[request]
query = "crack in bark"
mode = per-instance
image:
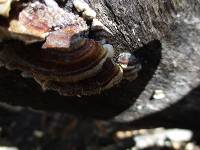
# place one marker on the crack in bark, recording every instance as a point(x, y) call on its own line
point(116, 21)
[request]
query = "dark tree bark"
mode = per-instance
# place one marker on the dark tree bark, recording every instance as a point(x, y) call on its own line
point(165, 36)
point(135, 23)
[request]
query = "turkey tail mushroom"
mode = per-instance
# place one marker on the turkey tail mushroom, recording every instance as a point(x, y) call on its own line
point(57, 51)
point(68, 63)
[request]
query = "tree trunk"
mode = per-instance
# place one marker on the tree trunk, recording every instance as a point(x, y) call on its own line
point(135, 23)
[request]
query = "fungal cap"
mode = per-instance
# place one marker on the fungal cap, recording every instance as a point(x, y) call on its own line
point(130, 65)
point(64, 65)
point(84, 71)
point(110, 75)
point(64, 38)
point(38, 21)
point(17, 31)
point(89, 14)
point(80, 5)
point(98, 25)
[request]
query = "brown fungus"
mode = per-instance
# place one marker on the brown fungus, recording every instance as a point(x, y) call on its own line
point(84, 70)
point(55, 50)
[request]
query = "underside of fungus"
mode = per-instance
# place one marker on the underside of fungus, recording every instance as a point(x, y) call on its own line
point(52, 46)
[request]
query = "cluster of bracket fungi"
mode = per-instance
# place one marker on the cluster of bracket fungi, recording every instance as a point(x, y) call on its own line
point(56, 49)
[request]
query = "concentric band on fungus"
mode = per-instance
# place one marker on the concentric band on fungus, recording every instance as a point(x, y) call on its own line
point(71, 66)
point(109, 76)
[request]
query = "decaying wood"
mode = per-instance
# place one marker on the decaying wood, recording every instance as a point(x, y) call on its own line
point(165, 35)
point(135, 23)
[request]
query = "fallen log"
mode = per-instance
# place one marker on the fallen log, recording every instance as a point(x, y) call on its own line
point(164, 35)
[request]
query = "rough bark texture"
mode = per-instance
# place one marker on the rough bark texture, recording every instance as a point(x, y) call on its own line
point(171, 64)
point(135, 23)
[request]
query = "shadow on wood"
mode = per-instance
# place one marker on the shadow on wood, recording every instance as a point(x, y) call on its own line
point(183, 114)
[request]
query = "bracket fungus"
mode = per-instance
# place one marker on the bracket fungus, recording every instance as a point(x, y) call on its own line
point(58, 53)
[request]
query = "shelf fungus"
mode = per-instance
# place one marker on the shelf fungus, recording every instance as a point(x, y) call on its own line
point(54, 48)
point(36, 21)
